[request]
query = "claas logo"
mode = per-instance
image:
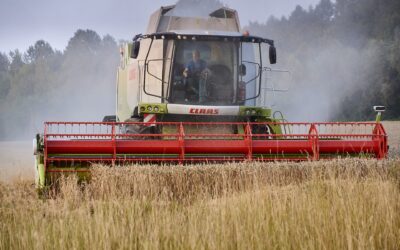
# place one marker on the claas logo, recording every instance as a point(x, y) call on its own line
point(204, 111)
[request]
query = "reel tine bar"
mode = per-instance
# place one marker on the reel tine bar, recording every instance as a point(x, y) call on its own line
point(196, 142)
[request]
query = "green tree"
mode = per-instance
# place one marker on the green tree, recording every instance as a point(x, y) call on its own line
point(40, 51)
point(16, 62)
point(4, 63)
point(84, 42)
point(4, 76)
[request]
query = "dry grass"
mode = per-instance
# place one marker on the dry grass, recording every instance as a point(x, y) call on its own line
point(349, 203)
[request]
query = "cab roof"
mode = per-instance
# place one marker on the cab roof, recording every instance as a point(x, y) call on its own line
point(169, 18)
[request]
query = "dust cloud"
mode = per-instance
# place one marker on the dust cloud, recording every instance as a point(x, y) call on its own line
point(78, 84)
point(17, 162)
point(322, 77)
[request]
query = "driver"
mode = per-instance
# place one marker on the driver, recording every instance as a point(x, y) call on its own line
point(195, 76)
point(195, 66)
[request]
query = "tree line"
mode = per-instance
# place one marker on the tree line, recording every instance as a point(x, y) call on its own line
point(344, 57)
point(46, 84)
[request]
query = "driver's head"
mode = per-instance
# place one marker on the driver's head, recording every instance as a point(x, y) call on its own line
point(196, 55)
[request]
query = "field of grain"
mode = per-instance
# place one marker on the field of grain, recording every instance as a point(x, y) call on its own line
point(345, 203)
point(393, 131)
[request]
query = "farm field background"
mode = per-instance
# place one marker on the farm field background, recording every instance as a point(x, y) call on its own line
point(346, 203)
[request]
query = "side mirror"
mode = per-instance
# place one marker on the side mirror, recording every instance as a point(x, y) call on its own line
point(272, 54)
point(135, 49)
point(110, 118)
point(242, 70)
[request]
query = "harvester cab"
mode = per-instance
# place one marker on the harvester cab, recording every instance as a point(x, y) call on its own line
point(192, 89)
point(193, 69)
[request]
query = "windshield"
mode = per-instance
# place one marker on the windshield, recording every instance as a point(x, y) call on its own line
point(205, 72)
point(217, 72)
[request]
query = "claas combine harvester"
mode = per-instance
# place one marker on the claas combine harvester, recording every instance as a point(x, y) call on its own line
point(194, 90)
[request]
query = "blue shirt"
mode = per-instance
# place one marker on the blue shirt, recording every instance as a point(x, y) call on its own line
point(196, 67)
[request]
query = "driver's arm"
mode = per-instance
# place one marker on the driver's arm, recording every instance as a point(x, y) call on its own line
point(186, 72)
point(187, 69)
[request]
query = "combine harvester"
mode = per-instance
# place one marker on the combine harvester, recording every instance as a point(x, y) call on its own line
point(193, 90)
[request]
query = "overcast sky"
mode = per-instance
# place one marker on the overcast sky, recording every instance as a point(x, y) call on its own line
point(23, 22)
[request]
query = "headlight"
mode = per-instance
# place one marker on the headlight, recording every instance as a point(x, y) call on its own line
point(247, 112)
point(156, 109)
point(150, 108)
point(253, 112)
point(142, 109)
